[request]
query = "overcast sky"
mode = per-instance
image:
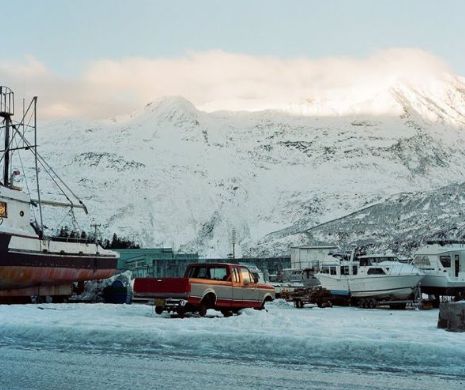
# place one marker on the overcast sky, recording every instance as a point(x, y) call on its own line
point(50, 45)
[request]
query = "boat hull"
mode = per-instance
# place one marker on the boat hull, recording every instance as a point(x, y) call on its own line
point(383, 287)
point(15, 277)
point(23, 269)
point(442, 285)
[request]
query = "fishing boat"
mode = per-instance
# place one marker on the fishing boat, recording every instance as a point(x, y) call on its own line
point(370, 278)
point(34, 264)
point(443, 263)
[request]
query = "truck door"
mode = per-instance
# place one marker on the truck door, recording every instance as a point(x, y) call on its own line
point(221, 280)
point(237, 292)
point(248, 288)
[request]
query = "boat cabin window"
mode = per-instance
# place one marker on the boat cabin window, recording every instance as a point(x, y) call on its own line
point(354, 270)
point(333, 270)
point(345, 270)
point(421, 261)
point(308, 273)
point(3, 210)
point(375, 271)
point(445, 261)
point(325, 270)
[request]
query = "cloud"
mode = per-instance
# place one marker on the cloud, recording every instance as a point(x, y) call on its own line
point(216, 80)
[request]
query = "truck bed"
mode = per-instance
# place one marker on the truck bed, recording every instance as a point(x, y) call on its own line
point(161, 288)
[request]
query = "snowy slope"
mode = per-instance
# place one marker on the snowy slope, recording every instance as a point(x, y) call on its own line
point(399, 224)
point(175, 176)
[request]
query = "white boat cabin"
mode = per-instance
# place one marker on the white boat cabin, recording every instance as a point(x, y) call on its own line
point(442, 257)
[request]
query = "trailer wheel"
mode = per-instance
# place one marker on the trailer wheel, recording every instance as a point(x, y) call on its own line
point(159, 309)
point(372, 304)
point(398, 306)
point(226, 313)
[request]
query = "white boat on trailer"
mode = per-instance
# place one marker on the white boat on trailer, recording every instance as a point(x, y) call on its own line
point(367, 279)
point(443, 263)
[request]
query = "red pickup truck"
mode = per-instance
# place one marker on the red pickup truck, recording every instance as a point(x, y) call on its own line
point(220, 286)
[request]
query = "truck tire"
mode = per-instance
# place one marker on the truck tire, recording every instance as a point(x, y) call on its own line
point(202, 310)
point(267, 300)
point(159, 309)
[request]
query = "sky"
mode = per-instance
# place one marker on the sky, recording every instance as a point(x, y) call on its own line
point(56, 48)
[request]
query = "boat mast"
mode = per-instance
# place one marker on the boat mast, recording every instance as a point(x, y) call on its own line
point(12, 131)
point(7, 107)
point(37, 165)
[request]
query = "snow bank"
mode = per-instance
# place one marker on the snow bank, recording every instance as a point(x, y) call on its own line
point(400, 341)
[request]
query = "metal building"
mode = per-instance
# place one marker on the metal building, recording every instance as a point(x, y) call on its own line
point(303, 257)
point(155, 262)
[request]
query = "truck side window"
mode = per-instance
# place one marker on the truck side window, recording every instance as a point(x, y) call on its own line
point(246, 276)
point(218, 273)
point(235, 275)
point(253, 277)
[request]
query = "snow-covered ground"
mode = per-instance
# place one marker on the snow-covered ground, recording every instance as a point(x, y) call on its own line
point(116, 346)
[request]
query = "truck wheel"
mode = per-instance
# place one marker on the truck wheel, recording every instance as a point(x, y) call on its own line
point(158, 309)
point(181, 312)
point(202, 310)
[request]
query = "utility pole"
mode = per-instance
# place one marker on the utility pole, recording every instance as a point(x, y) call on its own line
point(233, 240)
point(96, 226)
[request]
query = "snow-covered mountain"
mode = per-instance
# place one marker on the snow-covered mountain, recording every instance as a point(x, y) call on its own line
point(175, 176)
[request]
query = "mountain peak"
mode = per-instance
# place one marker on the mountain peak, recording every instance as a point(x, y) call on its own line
point(173, 109)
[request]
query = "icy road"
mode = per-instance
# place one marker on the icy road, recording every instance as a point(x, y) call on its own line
point(74, 346)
